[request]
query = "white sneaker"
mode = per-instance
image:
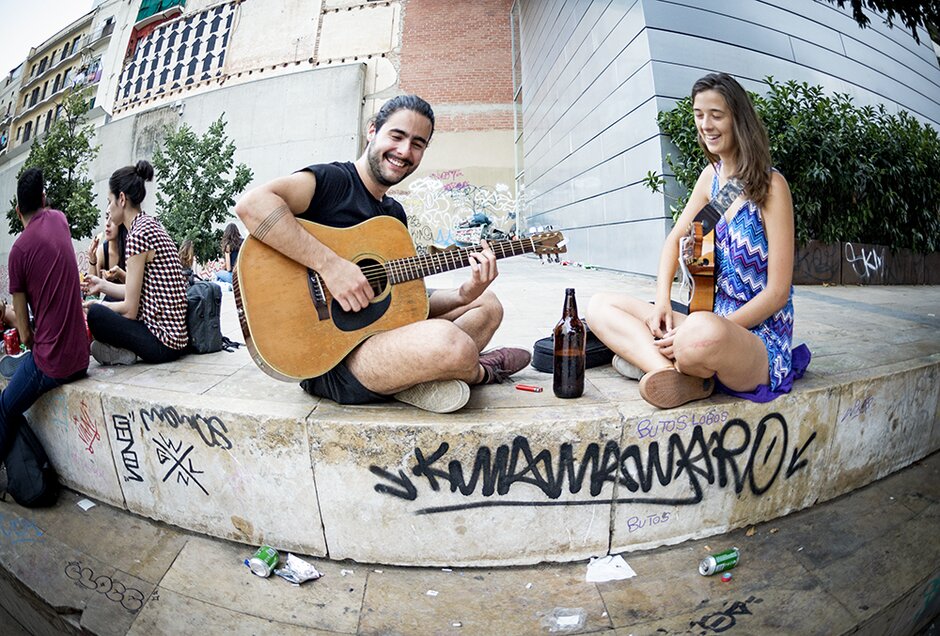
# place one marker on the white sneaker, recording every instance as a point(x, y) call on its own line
point(438, 396)
point(627, 369)
point(108, 354)
point(10, 363)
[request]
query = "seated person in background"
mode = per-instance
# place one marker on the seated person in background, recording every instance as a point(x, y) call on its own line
point(431, 363)
point(188, 262)
point(44, 277)
point(745, 342)
point(106, 259)
point(231, 243)
point(149, 320)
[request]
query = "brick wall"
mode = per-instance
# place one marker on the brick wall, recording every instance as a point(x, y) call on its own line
point(458, 56)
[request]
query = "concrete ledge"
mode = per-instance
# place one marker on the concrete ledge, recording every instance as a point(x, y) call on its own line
point(212, 445)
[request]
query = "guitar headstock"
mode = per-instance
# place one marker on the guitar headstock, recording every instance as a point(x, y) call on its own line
point(549, 242)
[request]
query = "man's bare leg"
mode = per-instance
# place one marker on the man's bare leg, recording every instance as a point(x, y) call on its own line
point(479, 319)
point(435, 349)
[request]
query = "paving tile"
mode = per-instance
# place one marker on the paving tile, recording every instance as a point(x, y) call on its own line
point(162, 617)
point(188, 382)
point(515, 601)
point(889, 564)
point(213, 571)
point(128, 542)
point(248, 383)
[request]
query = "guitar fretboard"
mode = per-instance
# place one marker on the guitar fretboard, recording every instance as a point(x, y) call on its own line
point(405, 269)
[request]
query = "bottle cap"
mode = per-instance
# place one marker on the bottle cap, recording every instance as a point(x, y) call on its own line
point(726, 577)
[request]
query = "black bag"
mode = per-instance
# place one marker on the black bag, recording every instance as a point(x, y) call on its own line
point(31, 479)
point(203, 311)
point(596, 352)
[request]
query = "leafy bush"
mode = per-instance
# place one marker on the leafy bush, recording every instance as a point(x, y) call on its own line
point(197, 185)
point(857, 174)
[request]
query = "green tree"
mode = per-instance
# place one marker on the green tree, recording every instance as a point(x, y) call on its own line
point(913, 13)
point(63, 154)
point(196, 191)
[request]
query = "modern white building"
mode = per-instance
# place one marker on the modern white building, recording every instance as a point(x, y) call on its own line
point(592, 76)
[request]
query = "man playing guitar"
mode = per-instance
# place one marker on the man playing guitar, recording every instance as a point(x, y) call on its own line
point(430, 363)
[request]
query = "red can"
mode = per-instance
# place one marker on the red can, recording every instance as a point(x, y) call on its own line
point(11, 341)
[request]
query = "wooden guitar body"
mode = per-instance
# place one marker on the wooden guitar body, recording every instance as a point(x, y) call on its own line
point(293, 327)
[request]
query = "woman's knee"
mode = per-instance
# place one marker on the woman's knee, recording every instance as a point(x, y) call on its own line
point(698, 341)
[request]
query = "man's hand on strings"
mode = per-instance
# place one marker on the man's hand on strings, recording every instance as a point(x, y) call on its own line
point(347, 284)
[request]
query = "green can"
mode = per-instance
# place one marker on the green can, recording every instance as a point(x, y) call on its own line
point(263, 561)
point(714, 563)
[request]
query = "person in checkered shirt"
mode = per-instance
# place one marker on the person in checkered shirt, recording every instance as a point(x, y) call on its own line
point(149, 319)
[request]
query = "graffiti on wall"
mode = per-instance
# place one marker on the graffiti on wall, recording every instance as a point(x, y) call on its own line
point(748, 458)
point(175, 457)
point(437, 204)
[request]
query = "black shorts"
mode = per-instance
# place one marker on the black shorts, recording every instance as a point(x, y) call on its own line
point(341, 386)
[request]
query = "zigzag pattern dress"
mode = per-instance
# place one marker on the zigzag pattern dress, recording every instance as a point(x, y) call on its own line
point(741, 266)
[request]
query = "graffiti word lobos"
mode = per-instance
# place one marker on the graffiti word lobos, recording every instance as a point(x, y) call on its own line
point(745, 457)
point(130, 598)
point(211, 429)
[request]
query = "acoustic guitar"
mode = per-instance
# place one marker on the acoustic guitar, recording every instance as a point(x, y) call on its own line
point(295, 329)
point(697, 249)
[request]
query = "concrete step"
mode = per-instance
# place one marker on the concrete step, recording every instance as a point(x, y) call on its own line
point(867, 562)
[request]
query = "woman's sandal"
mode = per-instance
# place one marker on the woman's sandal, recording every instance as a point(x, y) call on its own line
point(667, 388)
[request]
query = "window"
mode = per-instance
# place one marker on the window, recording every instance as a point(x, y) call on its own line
point(19, 130)
point(27, 131)
point(55, 84)
point(65, 51)
point(48, 121)
point(44, 88)
point(75, 43)
point(42, 65)
point(34, 97)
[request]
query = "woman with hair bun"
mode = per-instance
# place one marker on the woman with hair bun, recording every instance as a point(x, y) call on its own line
point(149, 319)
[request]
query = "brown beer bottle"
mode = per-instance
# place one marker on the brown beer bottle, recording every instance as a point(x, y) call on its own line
point(569, 339)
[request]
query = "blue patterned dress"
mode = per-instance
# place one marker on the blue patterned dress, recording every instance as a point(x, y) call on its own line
point(741, 273)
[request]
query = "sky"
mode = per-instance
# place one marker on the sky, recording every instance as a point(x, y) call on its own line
point(24, 25)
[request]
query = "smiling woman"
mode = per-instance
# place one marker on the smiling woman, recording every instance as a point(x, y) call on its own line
point(743, 344)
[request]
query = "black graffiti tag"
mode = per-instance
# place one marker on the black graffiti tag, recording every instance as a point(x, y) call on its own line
point(172, 453)
point(211, 429)
point(735, 455)
point(130, 598)
point(725, 619)
point(123, 433)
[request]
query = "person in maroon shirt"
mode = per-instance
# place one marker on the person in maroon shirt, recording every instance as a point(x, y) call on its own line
point(43, 278)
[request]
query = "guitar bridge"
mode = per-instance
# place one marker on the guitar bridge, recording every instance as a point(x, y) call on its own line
point(318, 294)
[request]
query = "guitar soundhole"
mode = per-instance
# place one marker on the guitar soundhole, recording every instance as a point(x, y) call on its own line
point(375, 274)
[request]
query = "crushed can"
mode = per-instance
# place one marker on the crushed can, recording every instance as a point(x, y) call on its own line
point(11, 341)
point(263, 561)
point(714, 563)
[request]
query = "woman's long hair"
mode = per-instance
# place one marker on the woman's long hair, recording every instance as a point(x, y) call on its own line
point(752, 146)
point(231, 238)
point(187, 254)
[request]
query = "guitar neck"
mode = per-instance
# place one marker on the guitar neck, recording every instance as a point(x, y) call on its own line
point(403, 270)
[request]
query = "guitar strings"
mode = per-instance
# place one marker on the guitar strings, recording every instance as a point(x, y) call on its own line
point(381, 271)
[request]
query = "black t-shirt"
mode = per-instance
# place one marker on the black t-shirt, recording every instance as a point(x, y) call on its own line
point(342, 200)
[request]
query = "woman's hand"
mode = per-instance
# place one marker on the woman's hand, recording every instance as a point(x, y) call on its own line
point(665, 344)
point(116, 275)
point(92, 285)
point(93, 249)
point(659, 320)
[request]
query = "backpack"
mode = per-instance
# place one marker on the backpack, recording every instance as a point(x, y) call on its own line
point(31, 479)
point(203, 309)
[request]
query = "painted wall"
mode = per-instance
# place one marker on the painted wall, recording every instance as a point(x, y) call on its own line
point(594, 76)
